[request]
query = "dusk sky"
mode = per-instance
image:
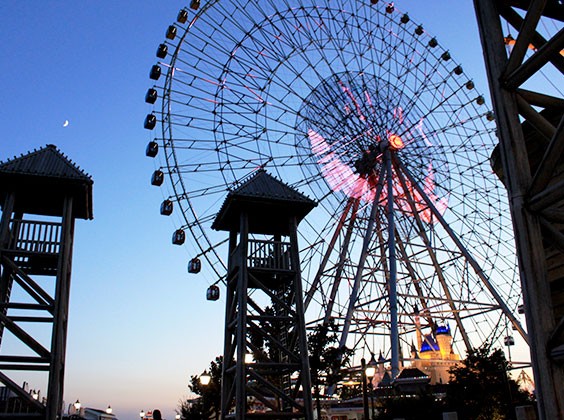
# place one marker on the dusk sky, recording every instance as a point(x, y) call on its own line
point(139, 325)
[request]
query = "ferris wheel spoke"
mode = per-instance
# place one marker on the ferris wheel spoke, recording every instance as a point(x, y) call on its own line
point(465, 252)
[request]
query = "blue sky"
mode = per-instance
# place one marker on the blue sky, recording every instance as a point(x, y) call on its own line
point(139, 325)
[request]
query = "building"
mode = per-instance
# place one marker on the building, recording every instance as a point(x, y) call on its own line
point(435, 356)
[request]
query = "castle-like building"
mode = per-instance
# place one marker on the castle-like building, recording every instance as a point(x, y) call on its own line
point(433, 356)
point(436, 355)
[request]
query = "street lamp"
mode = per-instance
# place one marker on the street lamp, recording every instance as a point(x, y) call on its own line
point(370, 371)
point(205, 378)
point(364, 386)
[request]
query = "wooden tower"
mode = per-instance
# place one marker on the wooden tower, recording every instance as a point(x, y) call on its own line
point(530, 161)
point(41, 193)
point(265, 354)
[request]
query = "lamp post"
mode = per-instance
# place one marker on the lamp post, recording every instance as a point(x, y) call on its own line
point(370, 371)
point(364, 390)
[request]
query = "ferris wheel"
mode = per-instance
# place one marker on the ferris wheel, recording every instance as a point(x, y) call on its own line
point(358, 107)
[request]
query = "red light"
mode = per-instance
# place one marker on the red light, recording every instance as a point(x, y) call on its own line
point(396, 143)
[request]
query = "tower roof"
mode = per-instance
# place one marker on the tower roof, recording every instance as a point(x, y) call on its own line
point(42, 179)
point(268, 202)
point(429, 344)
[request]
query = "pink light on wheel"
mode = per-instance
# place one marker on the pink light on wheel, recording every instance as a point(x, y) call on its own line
point(341, 177)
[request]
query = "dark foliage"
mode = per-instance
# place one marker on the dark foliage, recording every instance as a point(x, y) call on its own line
point(424, 406)
point(481, 389)
point(326, 359)
point(207, 403)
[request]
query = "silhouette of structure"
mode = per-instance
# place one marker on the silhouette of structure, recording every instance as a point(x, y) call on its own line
point(264, 308)
point(530, 124)
point(35, 268)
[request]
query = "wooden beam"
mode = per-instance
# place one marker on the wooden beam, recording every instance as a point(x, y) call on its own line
point(23, 359)
point(550, 160)
point(27, 339)
point(45, 319)
point(529, 243)
point(30, 306)
point(28, 284)
point(19, 391)
point(536, 62)
point(554, 234)
point(541, 99)
point(538, 40)
point(553, 215)
point(542, 125)
point(546, 198)
point(525, 35)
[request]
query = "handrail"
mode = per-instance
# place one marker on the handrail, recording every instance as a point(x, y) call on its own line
point(35, 236)
point(273, 255)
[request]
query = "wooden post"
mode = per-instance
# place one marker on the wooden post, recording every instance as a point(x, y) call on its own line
point(532, 260)
point(59, 334)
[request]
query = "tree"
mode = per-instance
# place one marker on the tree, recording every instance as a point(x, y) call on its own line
point(207, 404)
point(422, 406)
point(325, 358)
point(481, 389)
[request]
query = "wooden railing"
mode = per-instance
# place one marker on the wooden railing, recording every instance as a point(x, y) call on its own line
point(273, 255)
point(36, 237)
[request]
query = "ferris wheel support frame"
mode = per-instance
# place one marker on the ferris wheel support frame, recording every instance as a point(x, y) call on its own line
point(431, 252)
point(473, 263)
point(392, 280)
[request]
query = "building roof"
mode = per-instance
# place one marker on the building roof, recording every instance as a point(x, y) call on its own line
point(411, 373)
point(42, 179)
point(386, 380)
point(443, 330)
point(268, 202)
point(429, 344)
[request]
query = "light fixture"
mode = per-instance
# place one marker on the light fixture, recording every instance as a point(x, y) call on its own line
point(77, 405)
point(177, 417)
point(205, 378)
point(370, 370)
point(109, 409)
point(142, 414)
